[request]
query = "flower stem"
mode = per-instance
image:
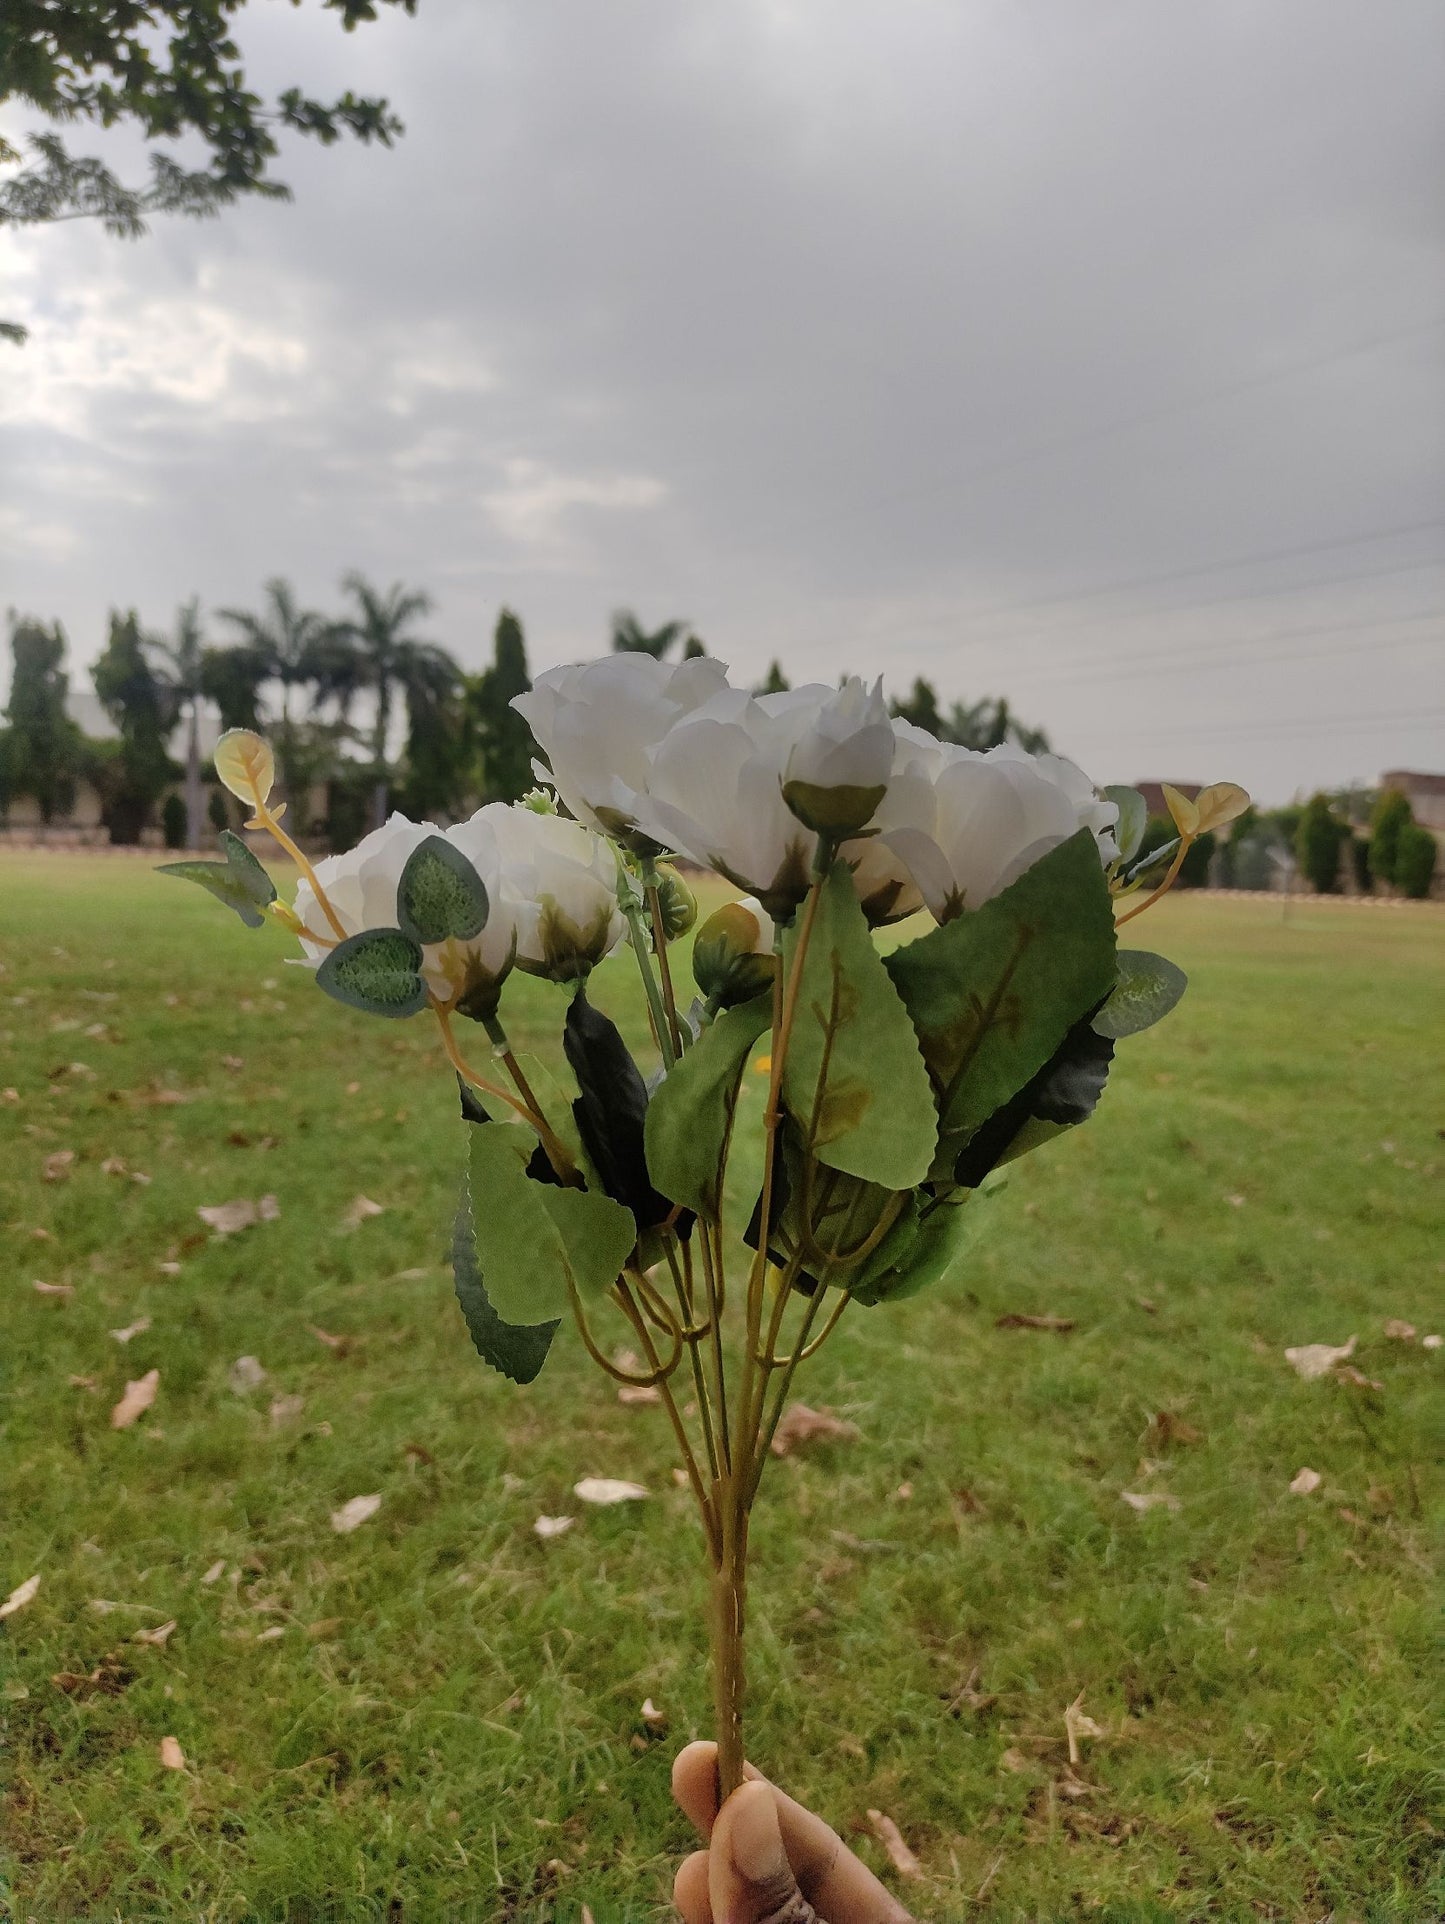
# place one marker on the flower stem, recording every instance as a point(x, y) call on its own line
point(265, 819)
point(1163, 887)
point(729, 1614)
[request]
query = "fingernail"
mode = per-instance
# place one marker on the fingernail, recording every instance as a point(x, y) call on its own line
point(757, 1843)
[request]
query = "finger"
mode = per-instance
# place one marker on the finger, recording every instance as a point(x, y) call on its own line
point(840, 1885)
point(689, 1890)
point(694, 1785)
point(750, 1880)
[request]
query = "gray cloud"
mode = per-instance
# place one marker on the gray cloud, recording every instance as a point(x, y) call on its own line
point(1092, 354)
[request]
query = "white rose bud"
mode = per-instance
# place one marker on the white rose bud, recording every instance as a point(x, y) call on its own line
point(837, 772)
point(732, 954)
point(597, 723)
point(561, 880)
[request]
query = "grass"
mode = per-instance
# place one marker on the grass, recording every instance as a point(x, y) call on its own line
point(449, 1723)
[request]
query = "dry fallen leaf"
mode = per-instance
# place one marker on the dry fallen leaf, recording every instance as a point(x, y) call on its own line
point(639, 1393)
point(157, 1636)
point(56, 1167)
point(245, 1374)
point(271, 1635)
point(1077, 1725)
point(547, 1527)
point(608, 1489)
point(91, 1383)
point(1431, 1342)
point(1314, 1359)
point(137, 1328)
point(285, 1409)
point(654, 1718)
point(1149, 1500)
point(1347, 1373)
point(53, 1289)
point(353, 1514)
point(1398, 1331)
point(340, 1345)
point(228, 1218)
point(216, 1571)
point(801, 1426)
point(889, 1836)
point(20, 1596)
point(172, 1756)
point(113, 1166)
point(1013, 1760)
point(1305, 1482)
point(137, 1400)
point(358, 1209)
point(232, 1063)
point(1017, 1320)
point(1169, 1428)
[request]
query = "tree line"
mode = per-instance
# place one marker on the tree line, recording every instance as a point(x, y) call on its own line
point(360, 704)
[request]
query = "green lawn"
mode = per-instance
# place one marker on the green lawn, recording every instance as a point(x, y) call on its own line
point(448, 1723)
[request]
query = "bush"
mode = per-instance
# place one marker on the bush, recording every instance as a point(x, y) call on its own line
point(1360, 862)
point(1415, 857)
point(1194, 869)
point(1318, 843)
point(216, 810)
point(1391, 816)
point(173, 821)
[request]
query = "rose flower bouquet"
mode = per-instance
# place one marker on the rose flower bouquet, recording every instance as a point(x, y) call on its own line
point(898, 1078)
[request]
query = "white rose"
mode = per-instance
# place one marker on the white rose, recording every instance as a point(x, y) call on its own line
point(880, 875)
point(597, 722)
point(714, 793)
point(559, 881)
point(838, 768)
point(362, 885)
point(994, 816)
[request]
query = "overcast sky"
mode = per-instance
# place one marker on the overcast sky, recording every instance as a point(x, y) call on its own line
point(1091, 353)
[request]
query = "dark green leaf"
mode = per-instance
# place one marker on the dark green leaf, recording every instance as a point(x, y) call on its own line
point(240, 881)
point(691, 1113)
point(1133, 819)
point(993, 993)
point(854, 1081)
point(926, 1256)
point(515, 1350)
point(534, 1238)
point(440, 894)
point(378, 971)
point(1148, 988)
point(611, 1110)
point(1064, 1093)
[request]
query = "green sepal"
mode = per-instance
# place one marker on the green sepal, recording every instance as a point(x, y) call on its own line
point(993, 992)
point(440, 894)
point(1133, 819)
point(378, 971)
point(690, 1115)
point(533, 1239)
point(240, 881)
point(854, 1081)
point(1149, 986)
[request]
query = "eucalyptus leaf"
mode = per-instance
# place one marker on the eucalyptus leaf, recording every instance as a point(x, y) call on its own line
point(690, 1116)
point(440, 894)
point(1133, 819)
point(853, 1080)
point(611, 1110)
point(378, 971)
point(535, 1238)
point(1149, 986)
point(993, 993)
point(240, 881)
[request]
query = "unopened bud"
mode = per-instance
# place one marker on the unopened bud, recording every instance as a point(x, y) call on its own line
point(732, 958)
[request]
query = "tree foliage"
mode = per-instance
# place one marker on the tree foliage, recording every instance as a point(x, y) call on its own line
point(1415, 858)
point(41, 751)
point(504, 740)
point(132, 773)
point(1390, 818)
point(1318, 842)
point(979, 725)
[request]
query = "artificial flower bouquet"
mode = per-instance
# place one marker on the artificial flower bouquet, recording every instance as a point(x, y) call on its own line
point(899, 1077)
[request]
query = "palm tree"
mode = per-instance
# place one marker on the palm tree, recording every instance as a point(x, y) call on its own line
point(629, 637)
point(287, 643)
point(185, 676)
point(378, 653)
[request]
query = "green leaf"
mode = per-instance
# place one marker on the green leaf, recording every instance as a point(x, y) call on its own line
point(1133, 819)
point(1148, 988)
point(854, 1081)
point(240, 881)
point(534, 1238)
point(1064, 1093)
point(440, 894)
point(993, 993)
point(691, 1112)
point(515, 1350)
point(924, 1256)
point(378, 971)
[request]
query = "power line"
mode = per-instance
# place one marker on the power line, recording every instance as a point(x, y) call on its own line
point(1302, 724)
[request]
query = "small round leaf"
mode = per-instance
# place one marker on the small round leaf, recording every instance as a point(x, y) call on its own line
point(440, 894)
point(378, 971)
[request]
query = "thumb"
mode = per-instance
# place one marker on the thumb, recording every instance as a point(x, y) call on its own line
point(750, 1878)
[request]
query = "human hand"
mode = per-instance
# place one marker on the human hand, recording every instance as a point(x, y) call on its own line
point(768, 1861)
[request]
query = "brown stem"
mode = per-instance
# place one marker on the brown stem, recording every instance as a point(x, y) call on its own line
point(1164, 887)
point(729, 1613)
